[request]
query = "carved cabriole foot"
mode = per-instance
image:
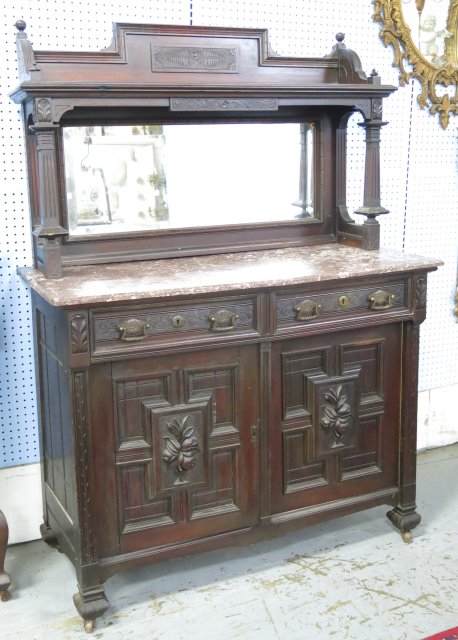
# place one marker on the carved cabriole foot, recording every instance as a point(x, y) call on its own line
point(404, 521)
point(91, 604)
point(5, 581)
point(49, 537)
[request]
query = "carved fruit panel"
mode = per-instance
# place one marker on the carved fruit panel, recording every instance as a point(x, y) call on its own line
point(335, 416)
point(180, 446)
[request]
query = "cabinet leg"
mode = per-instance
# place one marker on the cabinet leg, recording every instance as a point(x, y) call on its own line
point(405, 520)
point(91, 604)
point(49, 537)
point(4, 577)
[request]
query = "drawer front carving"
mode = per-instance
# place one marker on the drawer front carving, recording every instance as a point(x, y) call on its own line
point(121, 329)
point(300, 308)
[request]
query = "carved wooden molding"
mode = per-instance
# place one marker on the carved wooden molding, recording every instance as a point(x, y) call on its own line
point(223, 104)
point(377, 110)
point(420, 292)
point(83, 475)
point(195, 59)
point(408, 439)
point(79, 333)
point(47, 112)
point(42, 111)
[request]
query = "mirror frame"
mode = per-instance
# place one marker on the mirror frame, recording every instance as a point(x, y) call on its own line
point(395, 32)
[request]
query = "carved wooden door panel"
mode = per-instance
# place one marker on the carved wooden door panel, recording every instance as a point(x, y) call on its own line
point(176, 435)
point(335, 421)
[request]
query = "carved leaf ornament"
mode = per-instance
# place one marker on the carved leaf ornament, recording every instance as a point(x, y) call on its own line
point(180, 447)
point(336, 414)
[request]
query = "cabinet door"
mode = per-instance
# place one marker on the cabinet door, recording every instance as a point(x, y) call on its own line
point(173, 450)
point(335, 422)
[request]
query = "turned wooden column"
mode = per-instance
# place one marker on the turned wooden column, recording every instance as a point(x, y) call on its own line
point(4, 577)
point(306, 177)
point(371, 206)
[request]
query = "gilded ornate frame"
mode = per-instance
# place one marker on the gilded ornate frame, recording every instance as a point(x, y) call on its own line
point(395, 32)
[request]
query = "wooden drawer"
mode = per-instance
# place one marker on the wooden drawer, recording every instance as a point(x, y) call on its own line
point(310, 307)
point(132, 329)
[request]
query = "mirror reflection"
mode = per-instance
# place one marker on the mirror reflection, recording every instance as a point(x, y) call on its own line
point(129, 178)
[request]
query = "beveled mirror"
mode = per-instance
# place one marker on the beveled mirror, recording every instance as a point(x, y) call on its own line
point(125, 178)
point(423, 34)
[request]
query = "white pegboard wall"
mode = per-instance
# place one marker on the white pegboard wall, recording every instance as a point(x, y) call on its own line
point(418, 165)
point(299, 28)
point(51, 24)
point(18, 434)
point(432, 230)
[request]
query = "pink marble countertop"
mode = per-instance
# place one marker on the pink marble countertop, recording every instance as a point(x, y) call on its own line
point(147, 280)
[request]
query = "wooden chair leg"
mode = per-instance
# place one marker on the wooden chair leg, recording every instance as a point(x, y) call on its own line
point(4, 577)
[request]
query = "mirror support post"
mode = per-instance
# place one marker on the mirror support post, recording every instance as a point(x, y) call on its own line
point(371, 206)
point(49, 232)
point(305, 199)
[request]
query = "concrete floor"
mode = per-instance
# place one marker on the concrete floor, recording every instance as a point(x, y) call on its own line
point(349, 579)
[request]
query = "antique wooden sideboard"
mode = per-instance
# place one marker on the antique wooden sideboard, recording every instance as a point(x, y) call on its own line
point(223, 353)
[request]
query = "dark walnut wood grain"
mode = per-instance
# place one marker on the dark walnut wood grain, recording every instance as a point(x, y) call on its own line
point(220, 412)
point(5, 580)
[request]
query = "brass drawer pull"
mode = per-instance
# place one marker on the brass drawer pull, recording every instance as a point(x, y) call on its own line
point(307, 310)
point(223, 320)
point(133, 330)
point(381, 300)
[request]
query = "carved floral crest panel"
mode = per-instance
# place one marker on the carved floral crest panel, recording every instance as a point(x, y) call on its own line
point(195, 59)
